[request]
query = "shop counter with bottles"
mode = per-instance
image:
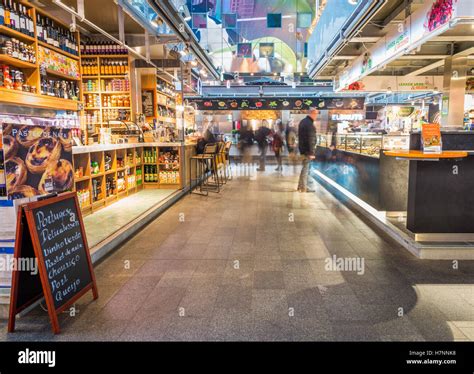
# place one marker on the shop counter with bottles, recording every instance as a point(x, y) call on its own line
point(104, 174)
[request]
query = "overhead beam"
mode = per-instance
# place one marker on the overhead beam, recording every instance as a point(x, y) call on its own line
point(403, 5)
point(422, 57)
point(440, 38)
point(365, 39)
point(345, 57)
point(425, 69)
point(404, 57)
point(452, 38)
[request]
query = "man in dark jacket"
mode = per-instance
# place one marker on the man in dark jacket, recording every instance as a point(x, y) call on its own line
point(307, 144)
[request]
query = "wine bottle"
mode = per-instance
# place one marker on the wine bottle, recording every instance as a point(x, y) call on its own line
point(29, 19)
point(8, 21)
point(2, 14)
point(17, 17)
point(12, 16)
point(22, 20)
point(44, 26)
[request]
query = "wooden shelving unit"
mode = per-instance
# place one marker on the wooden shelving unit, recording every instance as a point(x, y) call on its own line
point(32, 71)
point(162, 101)
point(58, 50)
point(166, 177)
point(135, 161)
point(16, 34)
point(5, 59)
point(133, 166)
point(101, 86)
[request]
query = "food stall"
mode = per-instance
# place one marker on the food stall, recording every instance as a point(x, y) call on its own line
point(70, 121)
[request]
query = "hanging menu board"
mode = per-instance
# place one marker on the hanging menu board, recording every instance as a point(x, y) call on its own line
point(278, 103)
point(52, 232)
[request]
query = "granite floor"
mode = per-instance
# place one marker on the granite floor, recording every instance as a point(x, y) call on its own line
point(129, 209)
point(250, 263)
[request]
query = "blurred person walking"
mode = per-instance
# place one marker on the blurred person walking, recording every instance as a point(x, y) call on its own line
point(246, 141)
point(278, 143)
point(262, 136)
point(307, 144)
point(292, 143)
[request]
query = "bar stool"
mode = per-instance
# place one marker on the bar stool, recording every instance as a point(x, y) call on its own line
point(228, 166)
point(205, 162)
point(215, 167)
point(221, 163)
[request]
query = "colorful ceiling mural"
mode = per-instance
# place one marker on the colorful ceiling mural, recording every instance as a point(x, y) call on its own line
point(252, 36)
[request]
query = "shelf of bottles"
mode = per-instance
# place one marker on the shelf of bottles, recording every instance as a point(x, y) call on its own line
point(105, 83)
point(39, 58)
point(165, 103)
point(101, 178)
point(161, 166)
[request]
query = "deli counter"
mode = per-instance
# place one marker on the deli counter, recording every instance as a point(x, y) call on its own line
point(368, 144)
point(356, 162)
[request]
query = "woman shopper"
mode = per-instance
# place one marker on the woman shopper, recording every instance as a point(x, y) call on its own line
point(263, 137)
point(278, 143)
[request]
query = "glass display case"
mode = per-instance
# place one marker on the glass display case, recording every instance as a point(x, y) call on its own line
point(364, 143)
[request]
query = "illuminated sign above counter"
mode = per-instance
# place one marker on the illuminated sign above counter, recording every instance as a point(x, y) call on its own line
point(277, 103)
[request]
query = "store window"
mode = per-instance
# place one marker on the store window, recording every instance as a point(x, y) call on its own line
point(229, 21)
point(274, 20)
point(244, 50)
point(266, 50)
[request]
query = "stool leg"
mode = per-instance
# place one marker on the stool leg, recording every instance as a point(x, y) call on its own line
point(191, 176)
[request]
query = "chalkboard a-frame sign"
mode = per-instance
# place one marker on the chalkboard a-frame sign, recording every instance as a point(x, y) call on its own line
point(52, 232)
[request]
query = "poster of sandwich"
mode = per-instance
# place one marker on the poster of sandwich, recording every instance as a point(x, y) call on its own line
point(431, 138)
point(38, 160)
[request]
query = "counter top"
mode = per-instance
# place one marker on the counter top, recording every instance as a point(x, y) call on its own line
point(111, 147)
point(419, 155)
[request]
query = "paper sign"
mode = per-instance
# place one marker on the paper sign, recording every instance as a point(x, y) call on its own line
point(431, 138)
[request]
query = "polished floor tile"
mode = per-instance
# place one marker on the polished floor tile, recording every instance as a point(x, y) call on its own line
point(258, 261)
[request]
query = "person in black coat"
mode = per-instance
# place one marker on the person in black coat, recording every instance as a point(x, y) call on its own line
point(262, 136)
point(307, 145)
point(246, 141)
